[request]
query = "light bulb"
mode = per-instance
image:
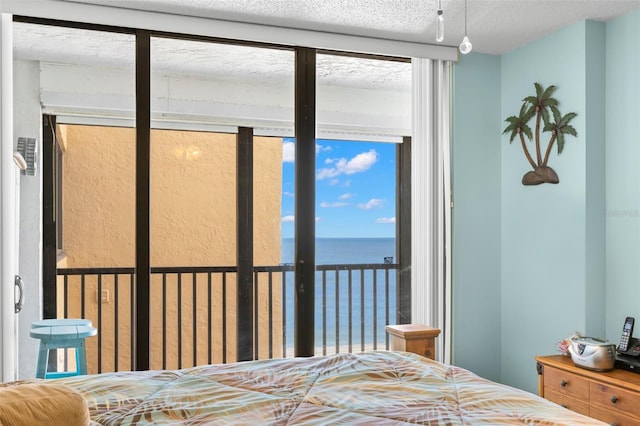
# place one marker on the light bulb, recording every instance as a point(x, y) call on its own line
point(465, 46)
point(440, 27)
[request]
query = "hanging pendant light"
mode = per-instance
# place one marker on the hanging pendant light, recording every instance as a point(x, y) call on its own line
point(440, 24)
point(465, 46)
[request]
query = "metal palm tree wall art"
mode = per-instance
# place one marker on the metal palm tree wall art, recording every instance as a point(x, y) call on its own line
point(544, 108)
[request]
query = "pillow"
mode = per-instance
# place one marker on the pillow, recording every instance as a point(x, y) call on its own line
point(41, 404)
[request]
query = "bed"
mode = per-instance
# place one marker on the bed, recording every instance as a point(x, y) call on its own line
point(377, 387)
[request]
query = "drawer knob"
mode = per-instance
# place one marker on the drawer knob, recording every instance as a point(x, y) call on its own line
point(614, 399)
point(564, 383)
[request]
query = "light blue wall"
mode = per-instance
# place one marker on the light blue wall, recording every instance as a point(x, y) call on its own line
point(551, 240)
point(623, 172)
point(596, 179)
point(544, 228)
point(551, 282)
point(476, 215)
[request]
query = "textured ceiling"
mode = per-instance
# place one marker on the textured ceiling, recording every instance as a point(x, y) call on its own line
point(494, 26)
point(83, 48)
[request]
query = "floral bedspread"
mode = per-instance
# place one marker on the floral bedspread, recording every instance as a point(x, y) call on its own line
point(356, 389)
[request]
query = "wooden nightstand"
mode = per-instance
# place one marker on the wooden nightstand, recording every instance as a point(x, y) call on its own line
point(611, 396)
point(416, 338)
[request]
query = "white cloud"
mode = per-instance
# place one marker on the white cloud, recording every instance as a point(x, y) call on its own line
point(372, 204)
point(320, 148)
point(360, 163)
point(288, 194)
point(386, 220)
point(346, 196)
point(288, 152)
point(332, 205)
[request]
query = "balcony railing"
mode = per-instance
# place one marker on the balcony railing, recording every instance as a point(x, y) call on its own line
point(193, 312)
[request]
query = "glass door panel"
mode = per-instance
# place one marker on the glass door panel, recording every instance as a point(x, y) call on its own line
point(204, 98)
point(192, 236)
point(88, 89)
point(363, 111)
point(288, 243)
point(98, 214)
point(272, 247)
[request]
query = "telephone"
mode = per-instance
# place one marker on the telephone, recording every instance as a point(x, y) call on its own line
point(628, 345)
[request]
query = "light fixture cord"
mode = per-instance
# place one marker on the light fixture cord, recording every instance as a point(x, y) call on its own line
point(465, 17)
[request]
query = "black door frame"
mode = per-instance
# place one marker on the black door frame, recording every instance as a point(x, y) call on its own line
point(49, 217)
point(305, 202)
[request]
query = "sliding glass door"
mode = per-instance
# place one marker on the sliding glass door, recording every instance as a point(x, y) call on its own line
point(214, 165)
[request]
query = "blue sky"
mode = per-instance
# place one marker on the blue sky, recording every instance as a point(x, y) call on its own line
point(355, 189)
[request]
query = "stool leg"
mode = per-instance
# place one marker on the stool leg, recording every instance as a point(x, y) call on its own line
point(77, 351)
point(81, 357)
point(43, 355)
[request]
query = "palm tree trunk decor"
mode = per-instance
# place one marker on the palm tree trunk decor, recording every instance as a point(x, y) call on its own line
point(539, 106)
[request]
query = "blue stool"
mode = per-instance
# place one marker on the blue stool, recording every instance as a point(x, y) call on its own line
point(59, 337)
point(58, 322)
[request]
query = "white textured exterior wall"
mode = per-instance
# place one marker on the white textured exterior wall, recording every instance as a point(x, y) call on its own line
point(8, 260)
point(27, 123)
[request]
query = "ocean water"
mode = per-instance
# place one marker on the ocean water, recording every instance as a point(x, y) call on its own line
point(348, 306)
point(331, 251)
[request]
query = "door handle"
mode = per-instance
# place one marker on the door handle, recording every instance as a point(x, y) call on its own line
point(20, 285)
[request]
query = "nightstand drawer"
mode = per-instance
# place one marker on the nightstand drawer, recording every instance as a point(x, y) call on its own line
point(566, 383)
point(614, 399)
point(613, 417)
point(573, 404)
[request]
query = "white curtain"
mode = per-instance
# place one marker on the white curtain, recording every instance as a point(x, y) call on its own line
point(431, 200)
